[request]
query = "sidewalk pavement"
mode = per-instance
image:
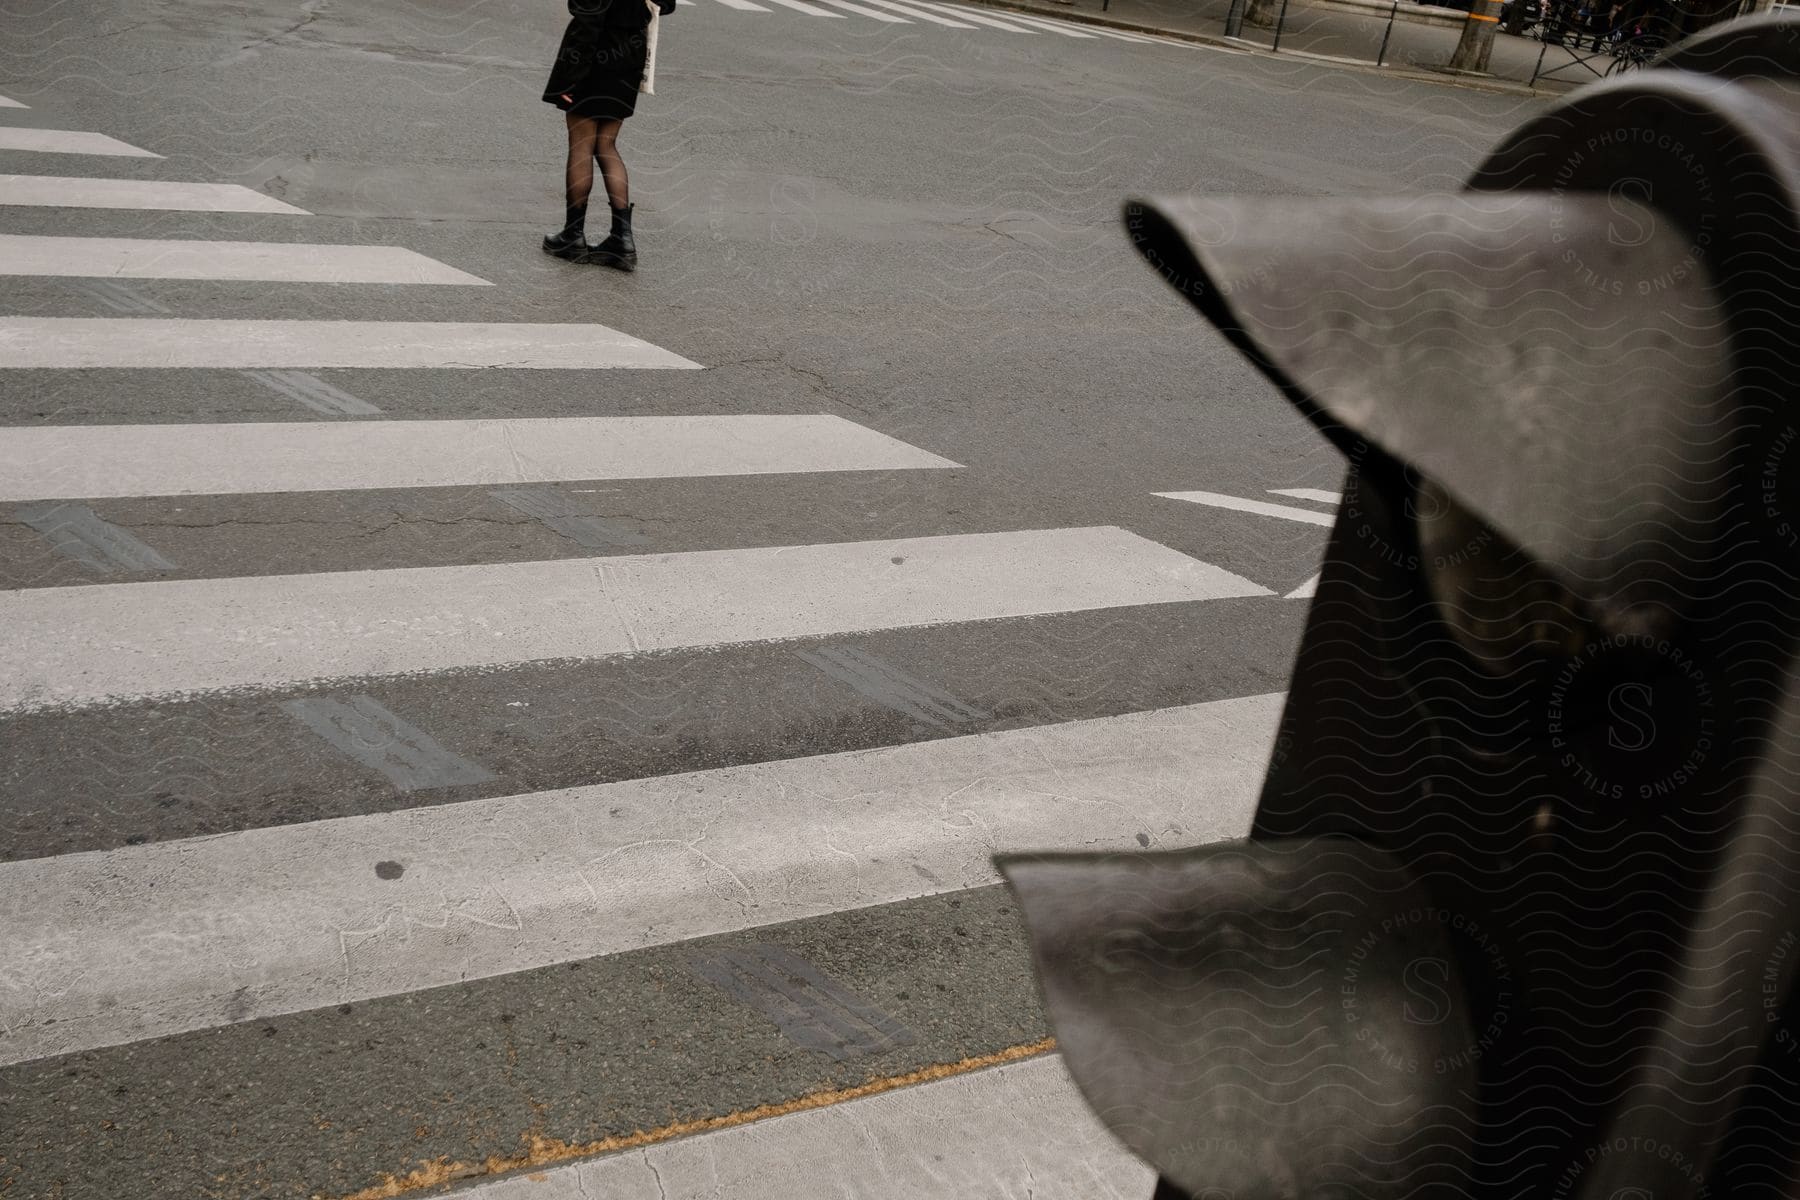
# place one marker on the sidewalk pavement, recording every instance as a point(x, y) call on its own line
point(1350, 34)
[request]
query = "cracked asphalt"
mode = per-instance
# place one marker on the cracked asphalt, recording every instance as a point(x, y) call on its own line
point(911, 227)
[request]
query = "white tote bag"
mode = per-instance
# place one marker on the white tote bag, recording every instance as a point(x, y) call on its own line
point(648, 87)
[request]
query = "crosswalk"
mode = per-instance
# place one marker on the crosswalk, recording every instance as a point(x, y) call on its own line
point(412, 852)
point(517, 882)
point(929, 13)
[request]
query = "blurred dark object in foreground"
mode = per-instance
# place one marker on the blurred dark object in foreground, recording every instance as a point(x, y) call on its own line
point(1518, 914)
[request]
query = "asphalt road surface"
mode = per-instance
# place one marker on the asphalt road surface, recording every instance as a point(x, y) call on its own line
point(473, 719)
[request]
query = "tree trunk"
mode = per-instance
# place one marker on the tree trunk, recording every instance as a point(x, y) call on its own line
point(1477, 44)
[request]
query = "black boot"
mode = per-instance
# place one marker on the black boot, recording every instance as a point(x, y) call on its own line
point(620, 248)
point(571, 243)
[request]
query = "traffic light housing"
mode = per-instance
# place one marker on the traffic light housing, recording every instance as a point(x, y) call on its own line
point(1517, 914)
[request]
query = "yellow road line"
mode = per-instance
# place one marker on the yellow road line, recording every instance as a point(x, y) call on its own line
point(541, 1151)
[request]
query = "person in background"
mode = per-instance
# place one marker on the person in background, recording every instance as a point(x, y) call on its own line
point(600, 67)
point(1582, 21)
point(1600, 22)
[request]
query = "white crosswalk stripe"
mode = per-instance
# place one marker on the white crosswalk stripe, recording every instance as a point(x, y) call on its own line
point(150, 195)
point(811, 10)
point(921, 14)
point(294, 916)
point(1262, 508)
point(70, 342)
point(67, 141)
point(1318, 495)
point(948, 16)
point(92, 461)
point(86, 645)
point(862, 10)
point(964, 14)
point(275, 262)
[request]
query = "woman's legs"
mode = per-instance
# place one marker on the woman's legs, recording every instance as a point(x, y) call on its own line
point(620, 247)
point(578, 178)
point(595, 140)
point(612, 167)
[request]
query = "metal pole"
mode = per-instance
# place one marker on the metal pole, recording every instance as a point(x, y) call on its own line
point(1280, 23)
point(1234, 19)
point(1381, 54)
point(1542, 47)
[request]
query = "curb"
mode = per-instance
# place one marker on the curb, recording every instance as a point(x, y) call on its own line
point(1443, 76)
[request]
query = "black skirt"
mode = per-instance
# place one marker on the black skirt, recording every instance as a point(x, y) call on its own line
point(599, 67)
